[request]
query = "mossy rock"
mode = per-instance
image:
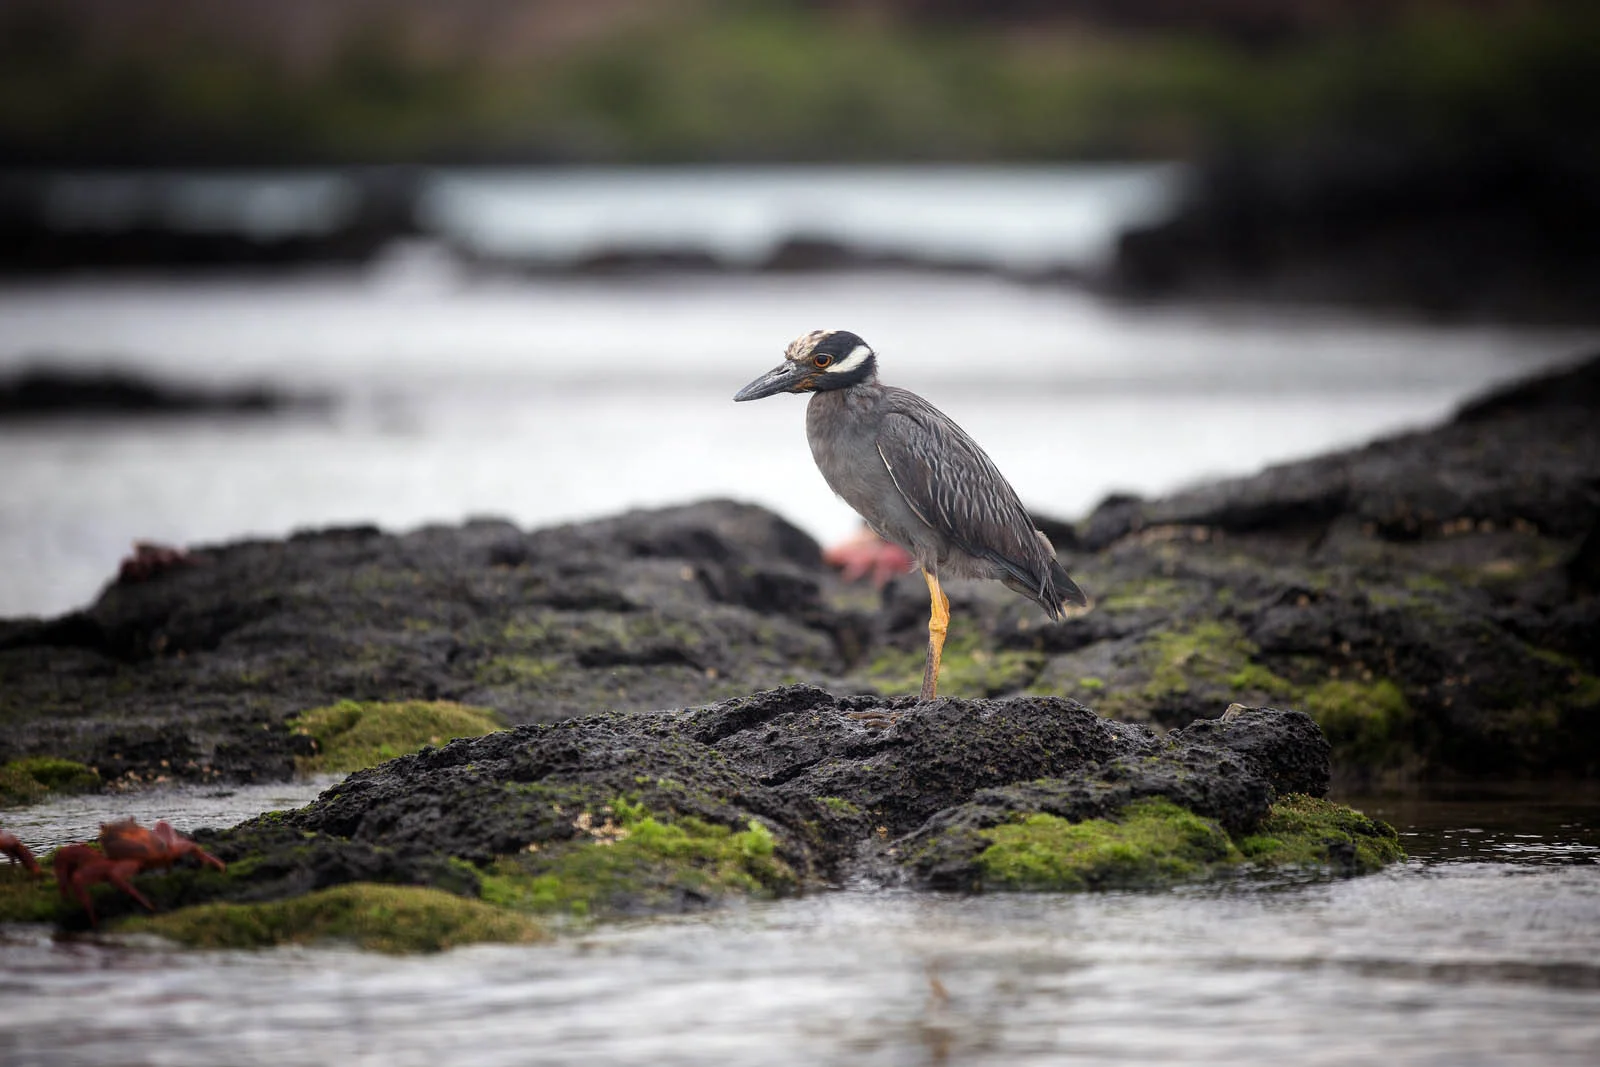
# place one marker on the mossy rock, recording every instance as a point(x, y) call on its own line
point(625, 861)
point(26, 781)
point(353, 735)
point(1302, 831)
point(1211, 660)
point(26, 898)
point(1365, 721)
point(1153, 843)
point(380, 918)
point(840, 807)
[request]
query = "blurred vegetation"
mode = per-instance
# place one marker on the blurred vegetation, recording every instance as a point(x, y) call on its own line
point(707, 80)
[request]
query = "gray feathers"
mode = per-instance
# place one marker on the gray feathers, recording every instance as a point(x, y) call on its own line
point(954, 487)
point(914, 475)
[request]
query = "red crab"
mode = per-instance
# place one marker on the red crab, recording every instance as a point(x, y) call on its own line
point(126, 849)
point(79, 866)
point(157, 848)
point(11, 845)
point(150, 559)
point(868, 555)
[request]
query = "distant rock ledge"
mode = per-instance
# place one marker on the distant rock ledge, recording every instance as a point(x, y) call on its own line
point(43, 392)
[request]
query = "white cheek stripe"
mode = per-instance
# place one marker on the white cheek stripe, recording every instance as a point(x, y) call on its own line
point(857, 356)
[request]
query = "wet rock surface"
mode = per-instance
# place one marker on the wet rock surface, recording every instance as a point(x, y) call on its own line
point(1429, 600)
point(843, 788)
point(1426, 598)
point(193, 672)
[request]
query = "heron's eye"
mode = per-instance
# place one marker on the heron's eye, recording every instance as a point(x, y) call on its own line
point(822, 361)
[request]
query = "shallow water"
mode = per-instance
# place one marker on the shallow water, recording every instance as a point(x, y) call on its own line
point(1483, 948)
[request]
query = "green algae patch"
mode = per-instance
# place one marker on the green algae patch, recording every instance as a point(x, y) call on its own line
point(1302, 831)
point(1365, 722)
point(27, 898)
point(1576, 689)
point(25, 781)
point(1164, 594)
point(519, 670)
point(381, 918)
point(628, 862)
point(1207, 654)
point(1174, 672)
point(840, 807)
point(1153, 843)
point(351, 735)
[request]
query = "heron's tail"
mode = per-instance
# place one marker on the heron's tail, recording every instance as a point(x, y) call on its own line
point(1063, 591)
point(1052, 590)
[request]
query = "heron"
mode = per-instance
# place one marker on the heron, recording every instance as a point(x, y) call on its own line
point(917, 480)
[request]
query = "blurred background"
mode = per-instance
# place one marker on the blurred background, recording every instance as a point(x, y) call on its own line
point(268, 266)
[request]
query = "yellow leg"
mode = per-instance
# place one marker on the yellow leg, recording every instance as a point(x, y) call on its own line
point(938, 624)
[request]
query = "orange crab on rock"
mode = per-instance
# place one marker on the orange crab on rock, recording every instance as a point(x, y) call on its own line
point(126, 849)
point(12, 847)
point(157, 848)
point(80, 866)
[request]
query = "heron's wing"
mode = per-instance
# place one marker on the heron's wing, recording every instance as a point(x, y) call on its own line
point(956, 489)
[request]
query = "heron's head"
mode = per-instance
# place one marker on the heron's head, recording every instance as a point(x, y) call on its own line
point(814, 362)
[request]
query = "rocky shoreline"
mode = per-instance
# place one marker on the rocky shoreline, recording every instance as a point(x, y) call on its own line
point(41, 391)
point(1428, 604)
point(783, 792)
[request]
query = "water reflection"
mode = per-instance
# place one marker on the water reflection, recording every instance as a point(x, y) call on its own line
point(1520, 823)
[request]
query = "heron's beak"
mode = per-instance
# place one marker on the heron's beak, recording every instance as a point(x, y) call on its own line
point(780, 379)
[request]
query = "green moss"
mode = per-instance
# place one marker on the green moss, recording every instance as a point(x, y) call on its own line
point(626, 860)
point(1582, 688)
point(352, 735)
point(1422, 582)
point(1302, 831)
point(1206, 652)
point(25, 898)
point(518, 670)
point(1141, 595)
point(24, 781)
point(1211, 660)
point(382, 918)
point(1365, 722)
point(1154, 842)
point(1253, 676)
point(840, 806)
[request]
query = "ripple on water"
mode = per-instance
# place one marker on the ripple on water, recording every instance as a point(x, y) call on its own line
point(65, 820)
